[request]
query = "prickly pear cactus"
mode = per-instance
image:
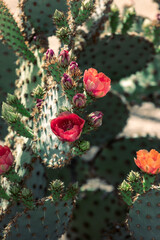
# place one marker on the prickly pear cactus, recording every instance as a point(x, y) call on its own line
point(57, 104)
point(146, 207)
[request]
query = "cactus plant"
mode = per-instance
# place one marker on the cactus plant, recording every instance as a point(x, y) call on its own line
point(59, 106)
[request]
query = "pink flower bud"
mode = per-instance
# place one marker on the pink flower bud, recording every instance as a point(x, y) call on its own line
point(158, 17)
point(73, 66)
point(39, 102)
point(95, 119)
point(6, 159)
point(49, 54)
point(67, 81)
point(79, 100)
point(64, 58)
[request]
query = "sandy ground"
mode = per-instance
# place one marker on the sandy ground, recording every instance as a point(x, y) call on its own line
point(145, 119)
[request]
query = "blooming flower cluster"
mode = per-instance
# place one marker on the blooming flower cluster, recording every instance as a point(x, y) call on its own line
point(148, 162)
point(69, 126)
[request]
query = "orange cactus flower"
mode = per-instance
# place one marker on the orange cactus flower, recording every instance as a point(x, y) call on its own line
point(148, 162)
point(96, 84)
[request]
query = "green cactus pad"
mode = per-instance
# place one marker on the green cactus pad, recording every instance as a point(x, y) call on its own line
point(117, 232)
point(53, 152)
point(11, 33)
point(96, 22)
point(117, 159)
point(48, 220)
point(7, 78)
point(30, 75)
point(144, 216)
point(40, 14)
point(8, 214)
point(142, 86)
point(93, 213)
point(117, 56)
point(82, 170)
point(29, 167)
point(114, 119)
point(64, 174)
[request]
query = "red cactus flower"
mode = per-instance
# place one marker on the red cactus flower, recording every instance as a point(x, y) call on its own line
point(6, 159)
point(148, 162)
point(67, 126)
point(96, 84)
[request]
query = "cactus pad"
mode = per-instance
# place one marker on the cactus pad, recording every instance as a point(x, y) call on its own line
point(29, 166)
point(64, 174)
point(12, 35)
point(7, 215)
point(40, 14)
point(53, 152)
point(7, 78)
point(47, 221)
point(142, 86)
point(117, 232)
point(92, 206)
point(115, 116)
point(117, 56)
point(30, 75)
point(144, 216)
point(117, 159)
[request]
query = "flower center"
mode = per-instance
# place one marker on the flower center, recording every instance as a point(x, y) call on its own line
point(67, 125)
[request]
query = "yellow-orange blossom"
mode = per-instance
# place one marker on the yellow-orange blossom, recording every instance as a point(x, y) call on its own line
point(148, 162)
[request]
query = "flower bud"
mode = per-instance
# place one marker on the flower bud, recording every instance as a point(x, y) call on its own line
point(73, 67)
point(26, 193)
point(63, 34)
point(158, 17)
point(84, 145)
point(49, 54)
point(38, 92)
point(125, 186)
point(6, 159)
point(67, 81)
point(56, 186)
point(39, 102)
point(64, 58)
point(59, 18)
point(133, 176)
point(14, 191)
point(95, 119)
point(79, 100)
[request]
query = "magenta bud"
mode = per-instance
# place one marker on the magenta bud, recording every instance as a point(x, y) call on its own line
point(95, 119)
point(67, 81)
point(49, 54)
point(39, 102)
point(79, 100)
point(73, 66)
point(158, 17)
point(35, 38)
point(64, 58)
